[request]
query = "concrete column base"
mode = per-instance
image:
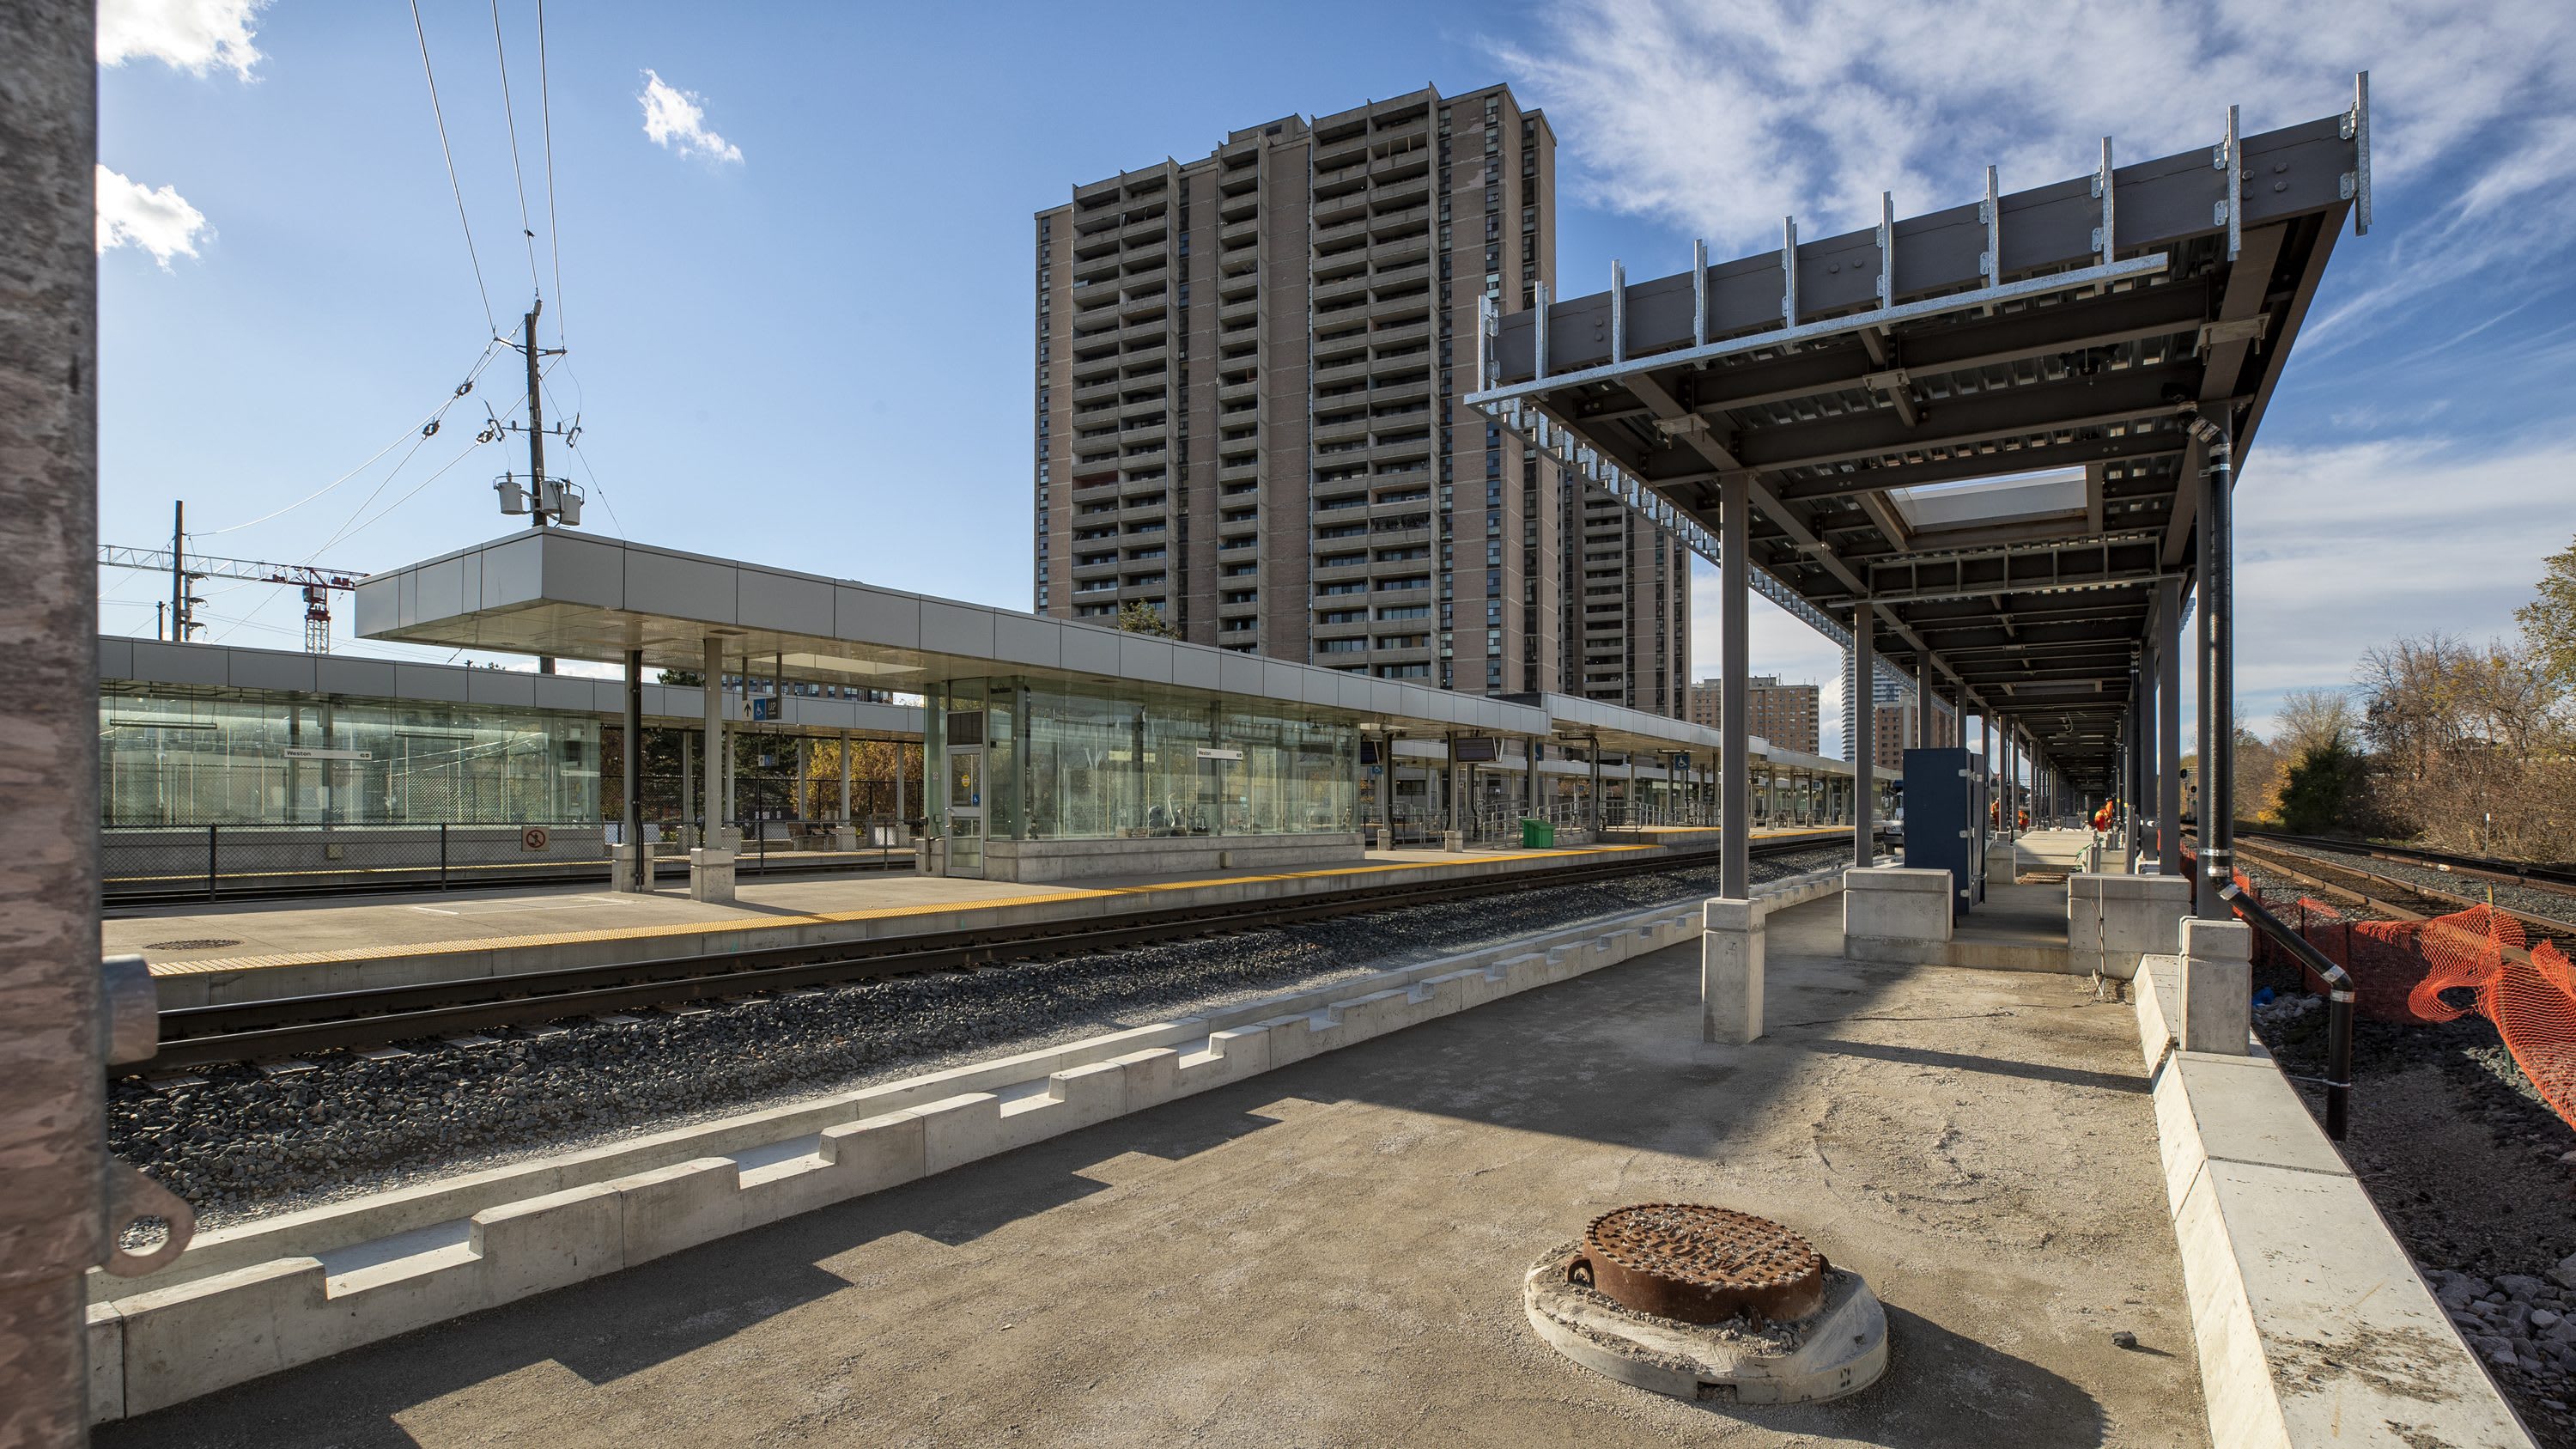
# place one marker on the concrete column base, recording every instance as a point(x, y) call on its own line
point(711, 876)
point(2217, 986)
point(2003, 864)
point(621, 870)
point(1453, 840)
point(1385, 839)
point(845, 837)
point(2112, 921)
point(1730, 971)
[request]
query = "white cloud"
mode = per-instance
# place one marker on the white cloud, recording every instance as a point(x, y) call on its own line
point(1722, 116)
point(674, 119)
point(192, 35)
point(158, 221)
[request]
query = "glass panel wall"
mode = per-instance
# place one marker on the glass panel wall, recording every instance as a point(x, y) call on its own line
point(168, 759)
point(1068, 760)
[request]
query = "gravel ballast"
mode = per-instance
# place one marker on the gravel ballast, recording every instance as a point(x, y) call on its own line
point(244, 1144)
point(2516, 896)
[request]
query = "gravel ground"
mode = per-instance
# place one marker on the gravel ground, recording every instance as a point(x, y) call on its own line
point(2533, 900)
point(2476, 1175)
point(244, 1145)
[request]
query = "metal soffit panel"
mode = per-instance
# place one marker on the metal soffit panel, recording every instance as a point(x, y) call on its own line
point(2078, 329)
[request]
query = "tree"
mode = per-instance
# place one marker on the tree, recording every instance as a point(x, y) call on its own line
point(1138, 617)
point(2549, 620)
point(2309, 719)
point(2469, 746)
point(2323, 789)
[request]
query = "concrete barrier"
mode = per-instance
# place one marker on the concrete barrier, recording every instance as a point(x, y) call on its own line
point(1730, 970)
point(2115, 921)
point(2217, 986)
point(285, 1308)
point(1891, 913)
point(2310, 1322)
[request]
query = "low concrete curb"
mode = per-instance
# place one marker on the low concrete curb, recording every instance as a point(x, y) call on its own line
point(2312, 1325)
point(263, 1298)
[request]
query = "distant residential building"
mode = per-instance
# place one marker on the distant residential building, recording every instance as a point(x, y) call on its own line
point(1249, 368)
point(1787, 715)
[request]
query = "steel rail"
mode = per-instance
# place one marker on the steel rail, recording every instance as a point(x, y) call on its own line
point(2394, 902)
point(2513, 871)
point(343, 1020)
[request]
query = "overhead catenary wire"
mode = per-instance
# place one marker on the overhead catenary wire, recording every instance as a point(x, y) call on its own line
point(527, 233)
point(440, 116)
point(554, 233)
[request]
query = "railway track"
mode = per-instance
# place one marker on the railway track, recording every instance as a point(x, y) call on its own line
point(2345, 881)
point(354, 1020)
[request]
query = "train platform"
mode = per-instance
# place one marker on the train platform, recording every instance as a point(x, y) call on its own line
point(1331, 1252)
point(264, 950)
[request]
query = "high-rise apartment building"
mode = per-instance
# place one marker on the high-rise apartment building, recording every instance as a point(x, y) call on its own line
point(1789, 716)
point(1248, 373)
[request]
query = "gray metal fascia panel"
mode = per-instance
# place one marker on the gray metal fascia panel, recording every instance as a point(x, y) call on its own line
point(864, 615)
point(1351, 692)
point(115, 657)
point(679, 587)
point(438, 591)
point(408, 607)
point(965, 630)
point(1239, 674)
point(1279, 681)
point(584, 571)
point(157, 662)
point(1090, 651)
point(378, 606)
point(1028, 640)
point(362, 678)
point(1386, 698)
point(270, 669)
point(503, 687)
point(431, 682)
point(1320, 686)
point(784, 602)
point(887, 719)
point(555, 691)
point(1196, 669)
point(1143, 659)
point(514, 572)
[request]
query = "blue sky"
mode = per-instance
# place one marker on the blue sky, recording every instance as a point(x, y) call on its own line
point(802, 332)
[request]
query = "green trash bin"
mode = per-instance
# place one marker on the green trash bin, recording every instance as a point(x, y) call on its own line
point(1537, 834)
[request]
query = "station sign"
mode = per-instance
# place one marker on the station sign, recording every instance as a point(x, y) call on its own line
point(1208, 754)
point(299, 752)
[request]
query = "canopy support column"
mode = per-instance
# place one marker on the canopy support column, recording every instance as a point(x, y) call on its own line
point(2169, 727)
point(1863, 749)
point(1734, 652)
point(2218, 647)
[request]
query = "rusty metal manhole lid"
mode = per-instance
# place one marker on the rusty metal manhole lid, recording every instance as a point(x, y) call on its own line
point(210, 943)
point(1699, 1264)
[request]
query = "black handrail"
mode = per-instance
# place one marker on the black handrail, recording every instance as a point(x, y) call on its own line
point(2339, 999)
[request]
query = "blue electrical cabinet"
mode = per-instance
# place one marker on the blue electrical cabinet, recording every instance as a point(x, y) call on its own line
point(1945, 821)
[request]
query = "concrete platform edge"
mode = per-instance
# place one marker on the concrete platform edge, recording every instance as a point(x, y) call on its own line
point(2311, 1324)
point(542, 1227)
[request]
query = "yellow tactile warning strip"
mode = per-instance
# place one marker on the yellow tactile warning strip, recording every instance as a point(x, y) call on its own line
point(824, 918)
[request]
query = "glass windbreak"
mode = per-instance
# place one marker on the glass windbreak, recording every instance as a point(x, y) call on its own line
point(1077, 761)
point(167, 760)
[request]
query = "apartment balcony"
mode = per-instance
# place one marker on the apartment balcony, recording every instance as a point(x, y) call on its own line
point(1160, 350)
point(1340, 292)
point(1105, 569)
point(1339, 231)
point(1238, 609)
point(1153, 432)
point(1246, 309)
point(1400, 537)
point(1333, 374)
point(1247, 390)
point(1405, 387)
point(1340, 573)
point(1401, 165)
point(1417, 304)
point(1400, 274)
point(1155, 231)
point(1105, 390)
point(1407, 654)
point(1340, 430)
point(1388, 225)
point(1346, 154)
point(1246, 471)
point(1242, 233)
point(1399, 450)
point(1401, 331)
point(1155, 509)
point(1158, 275)
point(1413, 192)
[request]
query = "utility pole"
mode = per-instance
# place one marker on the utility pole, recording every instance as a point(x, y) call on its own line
point(178, 571)
point(537, 448)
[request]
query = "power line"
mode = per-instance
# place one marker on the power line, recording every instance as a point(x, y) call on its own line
point(433, 416)
point(554, 233)
point(527, 235)
point(440, 116)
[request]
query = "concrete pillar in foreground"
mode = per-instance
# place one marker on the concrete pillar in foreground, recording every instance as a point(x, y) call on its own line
point(1864, 749)
point(1730, 971)
point(2217, 985)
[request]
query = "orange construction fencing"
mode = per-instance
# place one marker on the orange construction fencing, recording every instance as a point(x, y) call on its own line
point(2442, 969)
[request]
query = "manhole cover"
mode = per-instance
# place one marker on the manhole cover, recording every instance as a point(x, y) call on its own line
point(1699, 1264)
point(208, 944)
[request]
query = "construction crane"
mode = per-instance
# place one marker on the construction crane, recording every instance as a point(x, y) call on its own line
point(185, 569)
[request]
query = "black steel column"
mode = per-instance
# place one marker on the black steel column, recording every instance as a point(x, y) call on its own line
point(634, 768)
point(2169, 727)
point(2218, 633)
point(1863, 747)
point(1735, 787)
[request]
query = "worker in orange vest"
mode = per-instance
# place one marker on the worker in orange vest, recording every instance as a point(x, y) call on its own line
point(2103, 817)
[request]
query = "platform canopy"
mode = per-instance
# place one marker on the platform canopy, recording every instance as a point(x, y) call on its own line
point(1986, 421)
